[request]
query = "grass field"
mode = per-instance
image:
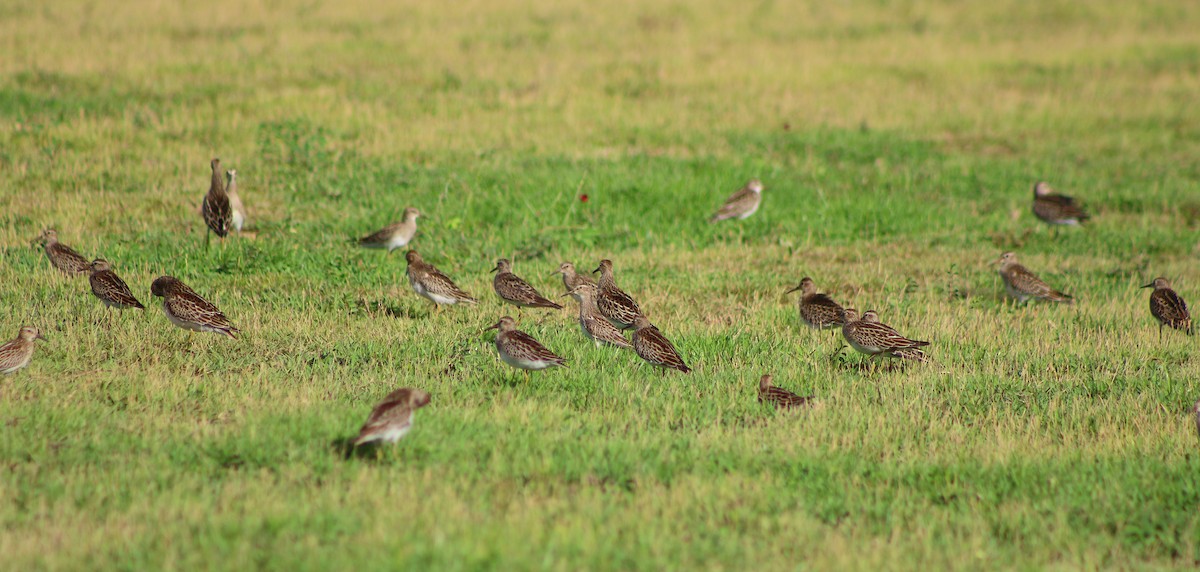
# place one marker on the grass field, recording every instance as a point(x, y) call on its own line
point(898, 143)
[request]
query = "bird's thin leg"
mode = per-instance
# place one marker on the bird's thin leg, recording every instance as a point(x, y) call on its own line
point(207, 238)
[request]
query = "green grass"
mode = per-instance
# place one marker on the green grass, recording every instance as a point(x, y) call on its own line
point(898, 143)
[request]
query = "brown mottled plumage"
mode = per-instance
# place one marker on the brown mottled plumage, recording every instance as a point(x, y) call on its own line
point(615, 305)
point(1054, 208)
point(515, 290)
point(17, 353)
point(1168, 307)
point(781, 398)
point(62, 256)
point(431, 284)
point(817, 311)
point(395, 235)
point(594, 326)
point(216, 208)
point(741, 204)
point(874, 338)
point(1024, 285)
point(392, 418)
point(186, 309)
point(652, 346)
point(520, 350)
point(911, 354)
point(109, 287)
point(571, 278)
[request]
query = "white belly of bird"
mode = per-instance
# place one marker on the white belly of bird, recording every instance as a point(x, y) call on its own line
point(752, 210)
point(1020, 296)
point(435, 298)
point(524, 363)
point(397, 241)
point(393, 435)
point(18, 365)
point(238, 220)
point(186, 324)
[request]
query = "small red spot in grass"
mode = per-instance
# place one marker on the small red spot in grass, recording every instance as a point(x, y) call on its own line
point(583, 198)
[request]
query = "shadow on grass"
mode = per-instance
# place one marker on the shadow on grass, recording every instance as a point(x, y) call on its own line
point(393, 310)
point(370, 452)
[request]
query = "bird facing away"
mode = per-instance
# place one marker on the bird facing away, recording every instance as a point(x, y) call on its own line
point(741, 204)
point(431, 284)
point(781, 398)
point(571, 278)
point(615, 305)
point(520, 350)
point(817, 311)
point(875, 338)
point(1168, 307)
point(1024, 285)
point(16, 354)
point(1054, 208)
point(911, 354)
point(109, 287)
point(652, 346)
point(235, 201)
point(216, 208)
point(186, 309)
point(594, 326)
point(395, 235)
point(392, 418)
point(62, 256)
point(515, 290)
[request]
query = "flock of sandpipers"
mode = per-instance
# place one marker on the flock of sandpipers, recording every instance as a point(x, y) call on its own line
point(605, 310)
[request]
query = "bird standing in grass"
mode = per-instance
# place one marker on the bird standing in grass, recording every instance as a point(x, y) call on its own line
point(516, 291)
point(1024, 285)
point(741, 204)
point(594, 326)
point(62, 256)
point(1168, 307)
point(109, 287)
point(216, 208)
point(521, 350)
point(615, 305)
point(395, 235)
point(237, 211)
point(817, 311)
point(652, 346)
point(392, 418)
point(781, 398)
point(431, 284)
point(875, 338)
point(186, 309)
point(570, 277)
point(18, 353)
point(1056, 209)
point(911, 354)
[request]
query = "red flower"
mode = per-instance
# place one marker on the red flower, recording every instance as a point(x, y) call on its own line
point(583, 198)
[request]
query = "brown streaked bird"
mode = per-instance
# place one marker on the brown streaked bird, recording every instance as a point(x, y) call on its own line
point(186, 309)
point(429, 282)
point(911, 354)
point(235, 201)
point(615, 305)
point(1168, 307)
point(817, 311)
point(395, 235)
point(741, 204)
point(1054, 208)
point(216, 208)
point(109, 287)
point(520, 350)
point(781, 398)
point(392, 418)
point(18, 353)
point(62, 256)
point(875, 338)
point(652, 346)
point(515, 290)
point(571, 278)
point(594, 326)
point(1024, 285)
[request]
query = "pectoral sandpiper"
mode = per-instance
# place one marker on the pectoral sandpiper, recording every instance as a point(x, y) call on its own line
point(741, 204)
point(652, 346)
point(1168, 307)
point(594, 326)
point(17, 354)
point(515, 290)
point(216, 208)
point(571, 278)
point(875, 338)
point(432, 285)
point(395, 235)
point(1024, 285)
point(186, 309)
point(109, 287)
point(235, 201)
point(392, 418)
point(518, 349)
point(62, 256)
point(817, 311)
point(1054, 208)
point(615, 305)
point(781, 398)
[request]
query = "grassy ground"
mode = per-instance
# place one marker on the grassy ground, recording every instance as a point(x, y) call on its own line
point(898, 143)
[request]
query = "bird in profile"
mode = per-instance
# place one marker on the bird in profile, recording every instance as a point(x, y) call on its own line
point(431, 284)
point(109, 287)
point(216, 208)
point(911, 354)
point(392, 418)
point(1024, 285)
point(570, 277)
point(17, 354)
point(615, 305)
point(652, 346)
point(1168, 307)
point(395, 235)
point(781, 398)
point(1054, 208)
point(520, 350)
point(186, 309)
point(817, 311)
point(61, 256)
point(235, 201)
point(594, 326)
point(515, 290)
point(875, 338)
point(741, 204)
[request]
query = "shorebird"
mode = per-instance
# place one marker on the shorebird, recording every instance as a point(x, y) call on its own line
point(781, 398)
point(911, 354)
point(62, 256)
point(615, 305)
point(186, 309)
point(652, 346)
point(520, 350)
point(432, 285)
point(1024, 285)
point(594, 326)
point(109, 287)
point(570, 278)
point(1056, 209)
point(235, 201)
point(875, 338)
point(1168, 307)
point(392, 418)
point(216, 208)
point(516, 291)
point(395, 235)
point(817, 311)
point(741, 204)
point(16, 354)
